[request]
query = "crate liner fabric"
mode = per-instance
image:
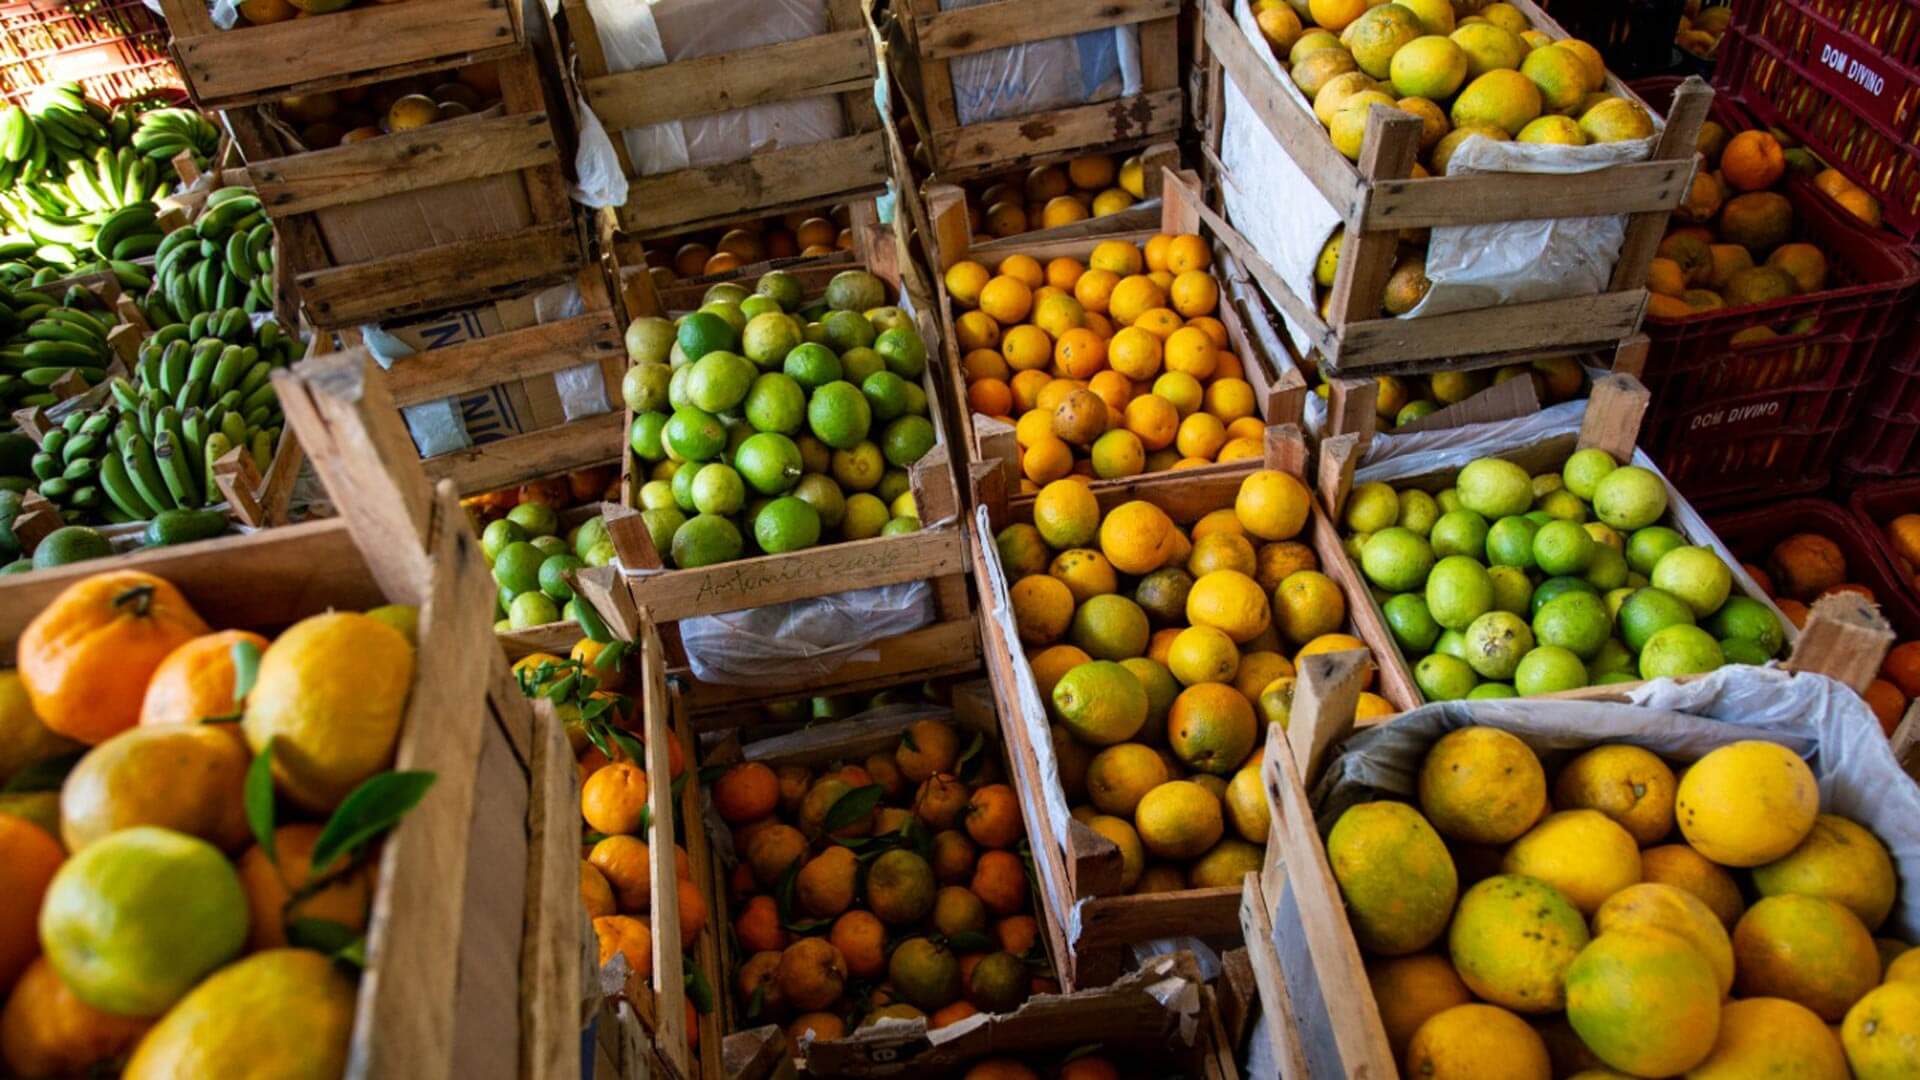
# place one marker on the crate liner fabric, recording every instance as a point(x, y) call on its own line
point(636, 36)
point(804, 639)
point(1818, 718)
point(1271, 201)
point(436, 426)
point(1060, 72)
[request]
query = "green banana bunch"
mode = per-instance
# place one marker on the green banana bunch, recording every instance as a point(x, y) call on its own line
point(163, 133)
point(225, 260)
point(47, 338)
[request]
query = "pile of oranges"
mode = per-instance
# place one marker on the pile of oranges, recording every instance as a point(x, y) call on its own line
point(799, 233)
point(1049, 196)
point(888, 885)
point(1106, 369)
point(1163, 652)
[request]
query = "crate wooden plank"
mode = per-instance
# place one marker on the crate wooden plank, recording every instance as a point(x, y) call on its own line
point(593, 441)
point(832, 63)
point(227, 68)
point(1543, 324)
point(798, 176)
point(447, 276)
point(998, 25)
point(465, 149)
point(504, 358)
point(1000, 142)
point(945, 648)
point(1493, 197)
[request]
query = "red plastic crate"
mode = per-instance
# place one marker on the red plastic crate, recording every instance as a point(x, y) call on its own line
point(1875, 505)
point(1842, 76)
point(116, 49)
point(1752, 534)
point(1885, 440)
point(1635, 36)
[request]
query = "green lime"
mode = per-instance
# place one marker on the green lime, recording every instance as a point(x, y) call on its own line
point(1564, 505)
point(703, 332)
point(704, 540)
point(1487, 691)
point(1549, 669)
point(839, 415)
point(812, 365)
point(1494, 488)
point(1576, 621)
point(70, 544)
point(1539, 517)
point(718, 489)
point(1553, 588)
point(589, 533)
point(893, 484)
point(1545, 484)
point(814, 455)
point(1649, 611)
point(1510, 542)
point(1372, 506)
point(866, 515)
point(1459, 532)
point(769, 338)
point(549, 545)
point(900, 526)
point(1645, 547)
point(814, 333)
point(769, 462)
point(886, 395)
point(821, 493)
point(538, 519)
point(1451, 643)
point(1608, 570)
point(644, 435)
point(916, 400)
point(693, 434)
point(857, 364)
point(1458, 592)
point(904, 352)
point(776, 403)
point(644, 387)
point(1418, 511)
point(498, 534)
point(719, 381)
point(786, 524)
point(1695, 575)
point(755, 306)
point(848, 330)
point(1411, 623)
point(662, 522)
point(1562, 547)
point(1748, 619)
point(780, 287)
point(517, 567)
point(859, 468)
point(1612, 656)
point(1512, 589)
point(1415, 410)
point(1443, 678)
point(907, 440)
point(1396, 559)
point(1630, 498)
point(1449, 500)
point(738, 432)
point(889, 317)
point(1744, 651)
point(677, 387)
point(855, 290)
point(1680, 650)
point(553, 573)
point(726, 292)
point(1585, 469)
point(1494, 644)
point(502, 600)
point(729, 313)
point(683, 487)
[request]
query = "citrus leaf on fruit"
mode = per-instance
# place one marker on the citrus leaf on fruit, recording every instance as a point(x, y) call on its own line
point(45, 775)
point(969, 761)
point(971, 941)
point(611, 656)
point(322, 935)
point(699, 990)
point(246, 669)
point(369, 810)
point(257, 793)
point(757, 1002)
point(851, 807)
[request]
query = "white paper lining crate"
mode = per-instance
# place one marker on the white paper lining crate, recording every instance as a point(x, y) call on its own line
point(1320, 1016)
point(992, 452)
point(932, 39)
point(475, 935)
point(485, 196)
point(247, 64)
point(840, 63)
point(1377, 200)
point(1080, 877)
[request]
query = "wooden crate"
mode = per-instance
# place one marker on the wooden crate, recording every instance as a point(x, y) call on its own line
point(1611, 422)
point(1378, 200)
point(992, 452)
point(1084, 871)
point(936, 553)
point(531, 353)
point(1321, 1018)
point(298, 186)
point(248, 64)
point(472, 964)
point(839, 62)
point(929, 39)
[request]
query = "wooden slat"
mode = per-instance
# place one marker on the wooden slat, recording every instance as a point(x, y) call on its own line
point(446, 276)
point(798, 176)
point(831, 63)
point(504, 358)
point(1256, 925)
point(1524, 328)
point(947, 648)
point(1123, 920)
point(550, 961)
point(997, 142)
point(1492, 197)
point(777, 579)
point(230, 67)
point(968, 30)
point(656, 710)
point(595, 440)
point(405, 161)
point(1391, 142)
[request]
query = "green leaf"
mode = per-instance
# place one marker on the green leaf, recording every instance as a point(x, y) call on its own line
point(757, 1002)
point(368, 811)
point(591, 838)
point(783, 891)
point(323, 935)
point(679, 785)
point(972, 941)
point(969, 754)
point(257, 794)
point(710, 773)
point(699, 990)
point(246, 669)
point(646, 819)
point(807, 926)
point(852, 807)
point(611, 657)
point(230, 718)
point(354, 955)
point(597, 735)
point(906, 740)
point(635, 750)
point(45, 775)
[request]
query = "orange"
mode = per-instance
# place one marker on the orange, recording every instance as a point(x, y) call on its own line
point(1211, 728)
point(1195, 293)
point(1861, 204)
point(1241, 449)
point(195, 681)
point(1137, 537)
point(1089, 1068)
point(1180, 388)
point(1023, 268)
point(1026, 386)
point(926, 748)
point(1042, 608)
point(1026, 347)
point(1094, 288)
point(964, 281)
point(1229, 399)
point(595, 893)
point(1887, 702)
point(1097, 323)
point(823, 1026)
point(1247, 427)
point(991, 397)
point(1188, 252)
point(746, 792)
point(1056, 312)
point(1062, 210)
point(992, 816)
point(1752, 161)
point(691, 259)
point(1064, 272)
point(862, 940)
point(626, 936)
point(614, 798)
point(47, 1031)
point(271, 885)
point(28, 858)
point(974, 330)
point(1000, 1069)
point(1080, 353)
point(1153, 419)
point(1067, 515)
point(1035, 425)
point(1133, 296)
point(1330, 643)
point(1007, 299)
point(758, 926)
point(1273, 505)
point(1056, 392)
point(1201, 436)
point(1160, 322)
point(1044, 182)
point(1116, 255)
point(1000, 881)
point(1190, 351)
point(622, 860)
point(1665, 277)
point(1017, 934)
point(986, 363)
point(1902, 667)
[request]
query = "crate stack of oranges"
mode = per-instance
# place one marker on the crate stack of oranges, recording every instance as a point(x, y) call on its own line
point(1109, 368)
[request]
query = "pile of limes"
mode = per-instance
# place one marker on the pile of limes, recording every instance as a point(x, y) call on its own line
point(768, 423)
point(1401, 399)
point(1502, 585)
point(530, 560)
point(1112, 368)
point(1163, 652)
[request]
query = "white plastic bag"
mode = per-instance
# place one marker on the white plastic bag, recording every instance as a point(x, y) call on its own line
point(1039, 75)
point(1816, 717)
point(225, 13)
point(603, 183)
point(804, 639)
